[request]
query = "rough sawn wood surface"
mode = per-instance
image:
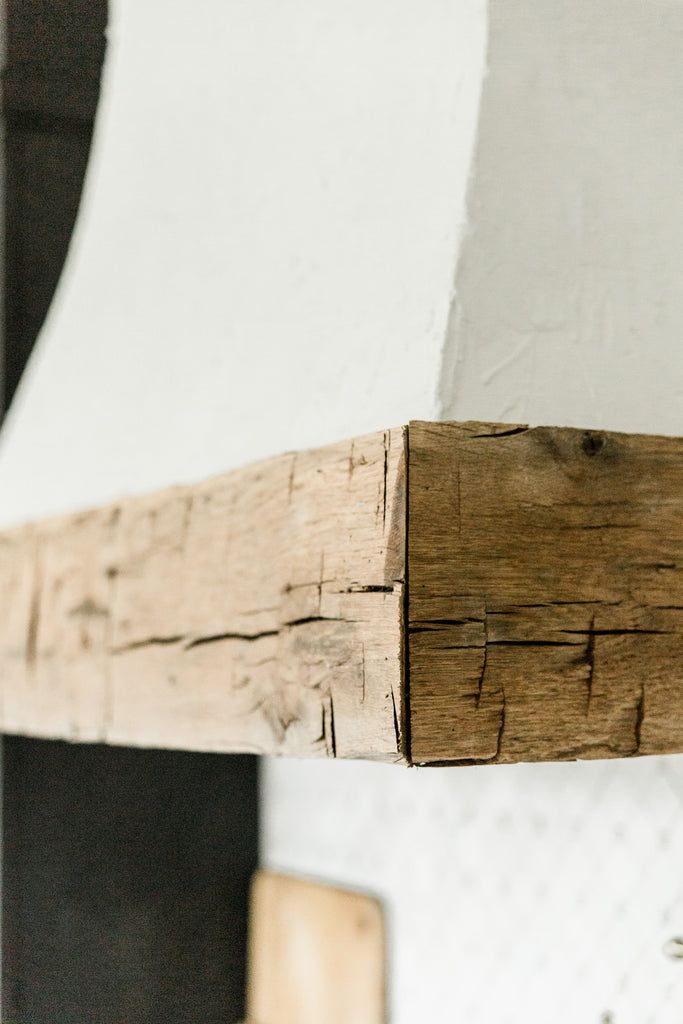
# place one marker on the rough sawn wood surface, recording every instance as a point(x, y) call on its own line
point(260, 611)
point(264, 610)
point(546, 593)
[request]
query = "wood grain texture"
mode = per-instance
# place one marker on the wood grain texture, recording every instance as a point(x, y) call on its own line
point(263, 611)
point(260, 611)
point(316, 953)
point(546, 593)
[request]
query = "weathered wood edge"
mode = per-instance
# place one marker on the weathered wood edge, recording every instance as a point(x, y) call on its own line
point(545, 570)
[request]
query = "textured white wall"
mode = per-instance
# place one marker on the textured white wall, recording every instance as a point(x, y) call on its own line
point(266, 247)
point(569, 306)
point(521, 894)
point(269, 256)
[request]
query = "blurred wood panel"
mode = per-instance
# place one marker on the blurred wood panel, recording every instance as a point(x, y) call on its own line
point(316, 953)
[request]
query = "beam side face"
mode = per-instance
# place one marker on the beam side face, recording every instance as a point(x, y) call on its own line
point(260, 611)
point(546, 593)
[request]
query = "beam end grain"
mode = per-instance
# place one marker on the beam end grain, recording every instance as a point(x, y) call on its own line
point(546, 594)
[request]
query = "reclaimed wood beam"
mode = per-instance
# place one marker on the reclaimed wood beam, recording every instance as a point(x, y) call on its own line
point(258, 612)
point(538, 614)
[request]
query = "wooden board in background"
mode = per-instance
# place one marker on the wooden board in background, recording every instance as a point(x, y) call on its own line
point(316, 954)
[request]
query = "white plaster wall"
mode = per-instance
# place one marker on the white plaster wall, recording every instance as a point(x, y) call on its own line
point(269, 256)
point(568, 302)
point(266, 246)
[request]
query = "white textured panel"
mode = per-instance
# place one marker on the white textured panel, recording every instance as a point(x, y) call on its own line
point(568, 306)
point(525, 893)
point(266, 246)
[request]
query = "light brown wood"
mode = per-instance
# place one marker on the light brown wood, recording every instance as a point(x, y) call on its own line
point(264, 610)
point(260, 611)
point(546, 593)
point(316, 954)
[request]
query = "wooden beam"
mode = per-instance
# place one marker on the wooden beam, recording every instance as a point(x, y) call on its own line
point(265, 610)
point(257, 612)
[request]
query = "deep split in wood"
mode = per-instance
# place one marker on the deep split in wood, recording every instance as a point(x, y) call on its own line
point(438, 593)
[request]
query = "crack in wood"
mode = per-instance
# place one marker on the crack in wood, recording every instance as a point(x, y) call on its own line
point(308, 619)
point(321, 579)
point(322, 738)
point(34, 617)
point(212, 638)
point(501, 728)
point(603, 526)
point(640, 716)
point(215, 638)
point(397, 727)
point(482, 673)
point(150, 641)
point(455, 647)
point(563, 604)
point(434, 625)
point(368, 588)
point(387, 443)
point(333, 733)
point(533, 643)
point(501, 433)
point(363, 680)
point(619, 632)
